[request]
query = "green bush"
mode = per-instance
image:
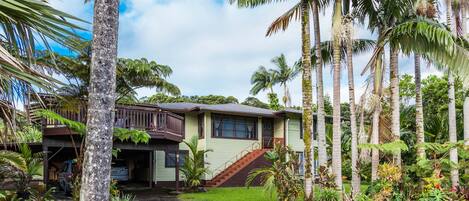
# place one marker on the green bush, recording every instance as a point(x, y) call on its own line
point(327, 194)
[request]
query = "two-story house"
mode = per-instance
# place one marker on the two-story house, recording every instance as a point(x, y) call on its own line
point(239, 135)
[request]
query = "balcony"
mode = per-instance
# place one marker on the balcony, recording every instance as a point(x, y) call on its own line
point(159, 124)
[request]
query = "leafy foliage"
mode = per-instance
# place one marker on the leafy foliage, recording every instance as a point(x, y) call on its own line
point(389, 148)
point(281, 176)
point(210, 99)
point(327, 194)
point(254, 102)
point(194, 168)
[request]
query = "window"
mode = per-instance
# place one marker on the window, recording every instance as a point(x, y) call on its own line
point(201, 125)
point(228, 126)
point(301, 158)
point(170, 158)
point(301, 128)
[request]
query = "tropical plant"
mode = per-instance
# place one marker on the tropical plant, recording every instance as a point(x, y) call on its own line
point(124, 197)
point(264, 79)
point(327, 194)
point(131, 74)
point(282, 177)
point(194, 168)
point(28, 24)
point(284, 74)
point(21, 167)
point(41, 193)
point(253, 101)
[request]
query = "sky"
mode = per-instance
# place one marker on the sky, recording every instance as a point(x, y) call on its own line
point(214, 47)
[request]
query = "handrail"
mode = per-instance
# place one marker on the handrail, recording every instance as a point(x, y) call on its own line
point(231, 161)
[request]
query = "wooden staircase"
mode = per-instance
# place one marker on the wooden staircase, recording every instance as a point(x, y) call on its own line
point(235, 168)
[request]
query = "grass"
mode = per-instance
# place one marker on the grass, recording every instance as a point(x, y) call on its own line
point(229, 194)
point(238, 194)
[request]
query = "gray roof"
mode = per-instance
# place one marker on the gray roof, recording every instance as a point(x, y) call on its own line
point(231, 108)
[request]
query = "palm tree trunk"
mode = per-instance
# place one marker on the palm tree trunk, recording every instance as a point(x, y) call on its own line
point(453, 154)
point(362, 136)
point(307, 97)
point(375, 140)
point(321, 122)
point(466, 124)
point(353, 118)
point(395, 103)
point(97, 162)
point(336, 132)
point(377, 88)
point(419, 108)
point(285, 96)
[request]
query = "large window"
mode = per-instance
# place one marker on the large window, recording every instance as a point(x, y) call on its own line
point(227, 126)
point(170, 158)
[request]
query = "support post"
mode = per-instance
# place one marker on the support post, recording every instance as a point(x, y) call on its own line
point(45, 163)
point(150, 168)
point(177, 169)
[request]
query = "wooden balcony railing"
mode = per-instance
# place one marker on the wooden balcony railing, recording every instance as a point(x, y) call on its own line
point(158, 123)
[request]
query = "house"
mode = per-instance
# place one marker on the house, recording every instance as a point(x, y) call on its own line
point(239, 135)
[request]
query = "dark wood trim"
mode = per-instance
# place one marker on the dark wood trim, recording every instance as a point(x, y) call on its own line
point(256, 122)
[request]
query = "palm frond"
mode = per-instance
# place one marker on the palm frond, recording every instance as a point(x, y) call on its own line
point(282, 22)
point(253, 3)
point(13, 158)
point(434, 41)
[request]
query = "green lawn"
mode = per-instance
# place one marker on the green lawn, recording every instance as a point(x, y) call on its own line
point(238, 194)
point(229, 194)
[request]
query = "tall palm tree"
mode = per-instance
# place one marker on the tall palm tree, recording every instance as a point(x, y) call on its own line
point(427, 9)
point(321, 121)
point(96, 178)
point(336, 130)
point(453, 155)
point(299, 11)
point(395, 102)
point(353, 119)
point(283, 75)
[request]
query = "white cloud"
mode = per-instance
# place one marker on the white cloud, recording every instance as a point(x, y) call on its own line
point(213, 47)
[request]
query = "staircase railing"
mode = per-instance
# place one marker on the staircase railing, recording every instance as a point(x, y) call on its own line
point(231, 161)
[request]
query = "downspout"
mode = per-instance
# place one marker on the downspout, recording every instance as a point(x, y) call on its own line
point(286, 131)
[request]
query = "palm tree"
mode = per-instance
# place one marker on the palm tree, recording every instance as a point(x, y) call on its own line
point(299, 11)
point(25, 24)
point(453, 154)
point(321, 122)
point(425, 9)
point(283, 75)
point(98, 154)
point(353, 119)
point(193, 168)
point(262, 79)
point(336, 136)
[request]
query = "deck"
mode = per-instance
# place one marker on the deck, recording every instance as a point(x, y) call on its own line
point(159, 124)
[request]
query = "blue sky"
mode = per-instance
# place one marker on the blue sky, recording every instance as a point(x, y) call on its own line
point(214, 47)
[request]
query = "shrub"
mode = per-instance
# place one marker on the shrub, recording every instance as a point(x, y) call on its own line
point(328, 194)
